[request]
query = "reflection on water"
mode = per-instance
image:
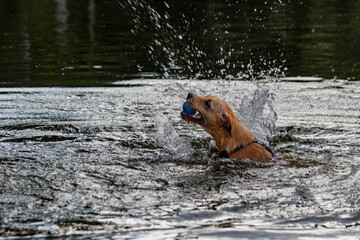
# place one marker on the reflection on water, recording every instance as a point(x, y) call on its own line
point(119, 162)
point(89, 42)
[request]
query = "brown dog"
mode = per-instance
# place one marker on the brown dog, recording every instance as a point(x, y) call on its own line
point(231, 137)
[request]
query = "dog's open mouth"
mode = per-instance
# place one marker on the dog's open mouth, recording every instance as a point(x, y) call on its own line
point(191, 115)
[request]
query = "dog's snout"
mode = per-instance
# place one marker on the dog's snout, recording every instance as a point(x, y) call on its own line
point(189, 96)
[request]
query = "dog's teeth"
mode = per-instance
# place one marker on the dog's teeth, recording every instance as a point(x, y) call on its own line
point(197, 114)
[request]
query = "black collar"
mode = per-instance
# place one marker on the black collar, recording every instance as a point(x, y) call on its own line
point(226, 154)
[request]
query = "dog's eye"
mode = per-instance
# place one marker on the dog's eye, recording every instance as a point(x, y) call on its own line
point(207, 103)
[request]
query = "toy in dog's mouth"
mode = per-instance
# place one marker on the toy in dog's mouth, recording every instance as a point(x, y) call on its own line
point(191, 115)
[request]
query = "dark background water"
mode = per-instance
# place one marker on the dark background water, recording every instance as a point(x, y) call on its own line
point(91, 43)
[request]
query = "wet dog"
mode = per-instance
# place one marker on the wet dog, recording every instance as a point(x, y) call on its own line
point(231, 137)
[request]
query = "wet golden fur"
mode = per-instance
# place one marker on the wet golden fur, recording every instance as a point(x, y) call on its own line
point(228, 131)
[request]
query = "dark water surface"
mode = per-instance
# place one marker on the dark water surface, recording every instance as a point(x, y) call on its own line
point(89, 42)
point(119, 162)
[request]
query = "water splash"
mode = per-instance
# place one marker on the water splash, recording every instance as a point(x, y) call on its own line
point(199, 44)
point(257, 112)
point(169, 139)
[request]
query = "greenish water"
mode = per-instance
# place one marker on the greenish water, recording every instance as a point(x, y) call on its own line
point(93, 43)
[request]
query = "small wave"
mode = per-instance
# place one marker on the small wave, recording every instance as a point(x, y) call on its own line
point(48, 138)
point(128, 85)
point(62, 128)
point(301, 79)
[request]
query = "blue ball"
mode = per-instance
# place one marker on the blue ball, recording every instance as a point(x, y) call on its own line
point(187, 109)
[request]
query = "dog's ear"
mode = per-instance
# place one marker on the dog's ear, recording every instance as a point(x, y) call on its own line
point(226, 122)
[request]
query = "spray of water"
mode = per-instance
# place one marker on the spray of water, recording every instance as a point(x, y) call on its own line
point(257, 112)
point(199, 44)
point(169, 139)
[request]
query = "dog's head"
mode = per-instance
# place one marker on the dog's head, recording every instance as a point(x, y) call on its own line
point(212, 113)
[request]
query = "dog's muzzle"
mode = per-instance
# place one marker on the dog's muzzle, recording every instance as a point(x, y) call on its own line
point(190, 114)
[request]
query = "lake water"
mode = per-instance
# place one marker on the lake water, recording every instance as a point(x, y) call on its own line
point(120, 162)
point(92, 145)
